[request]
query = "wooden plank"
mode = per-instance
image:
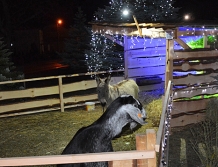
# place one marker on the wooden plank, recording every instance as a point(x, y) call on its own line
point(190, 92)
point(122, 163)
point(194, 79)
point(169, 61)
point(63, 76)
point(34, 92)
point(195, 54)
point(138, 72)
point(150, 145)
point(186, 66)
point(28, 105)
point(126, 57)
point(77, 99)
point(82, 85)
point(165, 102)
point(148, 52)
point(182, 43)
point(45, 103)
point(114, 39)
point(183, 107)
point(195, 32)
point(141, 144)
point(76, 158)
point(145, 44)
point(146, 62)
point(187, 119)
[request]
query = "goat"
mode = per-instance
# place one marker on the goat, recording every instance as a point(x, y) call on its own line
point(97, 136)
point(107, 93)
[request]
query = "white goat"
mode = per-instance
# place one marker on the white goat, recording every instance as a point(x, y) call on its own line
point(97, 136)
point(107, 93)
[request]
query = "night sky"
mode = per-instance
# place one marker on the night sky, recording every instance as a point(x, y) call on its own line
point(40, 13)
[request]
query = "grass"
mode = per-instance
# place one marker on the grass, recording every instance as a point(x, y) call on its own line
point(48, 133)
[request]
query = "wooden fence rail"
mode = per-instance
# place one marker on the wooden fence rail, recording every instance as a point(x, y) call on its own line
point(41, 99)
point(145, 156)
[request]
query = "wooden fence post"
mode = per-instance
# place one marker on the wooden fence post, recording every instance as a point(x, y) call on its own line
point(122, 163)
point(61, 94)
point(146, 142)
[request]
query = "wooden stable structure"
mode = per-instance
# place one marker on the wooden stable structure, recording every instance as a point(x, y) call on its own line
point(190, 70)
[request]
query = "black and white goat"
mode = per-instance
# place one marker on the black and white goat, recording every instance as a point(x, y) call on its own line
point(97, 136)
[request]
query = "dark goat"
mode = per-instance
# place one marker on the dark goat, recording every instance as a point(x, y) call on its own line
point(97, 136)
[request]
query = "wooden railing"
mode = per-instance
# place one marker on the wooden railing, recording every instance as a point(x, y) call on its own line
point(162, 142)
point(58, 96)
point(144, 156)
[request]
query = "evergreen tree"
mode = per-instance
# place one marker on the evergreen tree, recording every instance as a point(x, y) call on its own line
point(144, 10)
point(78, 41)
point(104, 54)
point(7, 68)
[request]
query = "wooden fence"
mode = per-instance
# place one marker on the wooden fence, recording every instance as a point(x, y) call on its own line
point(59, 95)
point(193, 84)
point(61, 92)
point(144, 156)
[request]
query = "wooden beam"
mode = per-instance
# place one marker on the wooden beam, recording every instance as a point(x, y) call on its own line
point(114, 40)
point(195, 54)
point(137, 25)
point(76, 158)
point(182, 43)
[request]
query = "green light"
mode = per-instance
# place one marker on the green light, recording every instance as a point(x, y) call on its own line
point(198, 97)
point(199, 43)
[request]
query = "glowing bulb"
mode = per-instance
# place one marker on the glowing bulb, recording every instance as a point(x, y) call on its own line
point(186, 17)
point(125, 12)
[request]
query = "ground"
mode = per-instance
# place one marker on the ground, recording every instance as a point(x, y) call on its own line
point(48, 133)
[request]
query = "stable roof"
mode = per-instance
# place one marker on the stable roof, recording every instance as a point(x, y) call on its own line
point(156, 30)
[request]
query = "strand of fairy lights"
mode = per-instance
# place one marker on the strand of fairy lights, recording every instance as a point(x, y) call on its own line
point(165, 140)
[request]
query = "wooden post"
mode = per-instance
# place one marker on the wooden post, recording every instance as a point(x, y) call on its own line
point(205, 42)
point(122, 163)
point(126, 57)
point(146, 142)
point(61, 94)
point(169, 61)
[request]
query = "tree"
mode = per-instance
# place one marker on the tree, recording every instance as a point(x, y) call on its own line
point(78, 41)
point(104, 54)
point(7, 68)
point(144, 10)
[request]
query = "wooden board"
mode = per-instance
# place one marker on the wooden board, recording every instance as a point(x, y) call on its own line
point(138, 43)
point(194, 91)
point(34, 92)
point(194, 79)
point(194, 54)
point(148, 52)
point(186, 66)
point(184, 107)
point(146, 62)
point(186, 120)
point(138, 72)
